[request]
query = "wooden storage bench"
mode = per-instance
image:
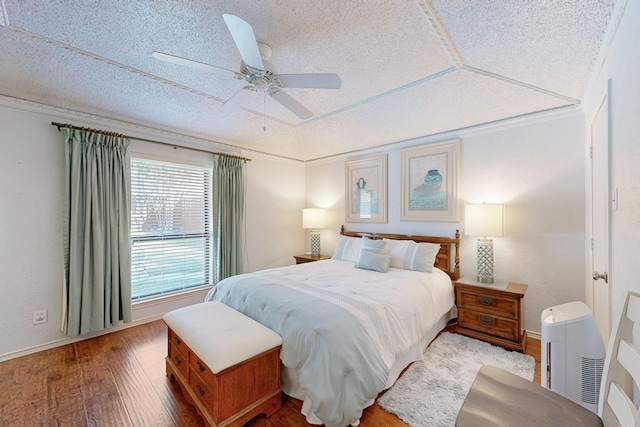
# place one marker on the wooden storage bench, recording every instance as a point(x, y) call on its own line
point(227, 364)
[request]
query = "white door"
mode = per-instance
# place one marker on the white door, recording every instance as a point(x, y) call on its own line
point(600, 208)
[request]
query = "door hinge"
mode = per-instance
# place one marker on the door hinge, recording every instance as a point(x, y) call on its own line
point(591, 244)
point(591, 152)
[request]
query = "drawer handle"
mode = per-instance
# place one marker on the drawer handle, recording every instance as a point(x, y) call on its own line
point(200, 367)
point(177, 340)
point(200, 390)
point(486, 320)
point(485, 300)
point(177, 359)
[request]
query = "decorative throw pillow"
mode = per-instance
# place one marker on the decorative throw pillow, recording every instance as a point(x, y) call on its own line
point(369, 259)
point(409, 255)
point(348, 248)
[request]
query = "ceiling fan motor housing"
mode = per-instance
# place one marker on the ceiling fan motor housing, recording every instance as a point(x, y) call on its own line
point(262, 80)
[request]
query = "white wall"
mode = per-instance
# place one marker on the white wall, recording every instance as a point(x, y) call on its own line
point(621, 66)
point(275, 199)
point(31, 185)
point(536, 169)
point(31, 182)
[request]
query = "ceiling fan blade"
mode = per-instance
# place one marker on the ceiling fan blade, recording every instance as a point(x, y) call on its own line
point(239, 98)
point(245, 40)
point(318, 81)
point(294, 106)
point(166, 57)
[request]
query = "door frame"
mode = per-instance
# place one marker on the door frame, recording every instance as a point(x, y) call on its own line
point(603, 95)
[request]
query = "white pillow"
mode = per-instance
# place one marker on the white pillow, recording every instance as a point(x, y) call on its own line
point(348, 248)
point(409, 255)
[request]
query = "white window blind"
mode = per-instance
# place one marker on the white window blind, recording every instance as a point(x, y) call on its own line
point(170, 227)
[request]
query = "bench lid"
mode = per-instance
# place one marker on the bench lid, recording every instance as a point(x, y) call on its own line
point(219, 335)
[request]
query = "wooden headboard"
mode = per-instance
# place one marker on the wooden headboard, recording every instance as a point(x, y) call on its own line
point(443, 259)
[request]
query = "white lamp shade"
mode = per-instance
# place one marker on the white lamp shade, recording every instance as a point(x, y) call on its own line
point(484, 220)
point(313, 218)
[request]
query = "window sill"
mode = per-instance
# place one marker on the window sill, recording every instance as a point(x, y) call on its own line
point(175, 296)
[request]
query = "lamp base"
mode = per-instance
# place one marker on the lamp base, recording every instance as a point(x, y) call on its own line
point(315, 242)
point(485, 261)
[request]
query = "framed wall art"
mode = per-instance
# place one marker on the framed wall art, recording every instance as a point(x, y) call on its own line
point(430, 181)
point(366, 190)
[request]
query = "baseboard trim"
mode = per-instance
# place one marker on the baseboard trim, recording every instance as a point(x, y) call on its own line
point(158, 307)
point(534, 335)
point(58, 343)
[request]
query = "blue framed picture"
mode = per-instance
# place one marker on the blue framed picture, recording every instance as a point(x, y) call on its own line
point(430, 181)
point(366, 190)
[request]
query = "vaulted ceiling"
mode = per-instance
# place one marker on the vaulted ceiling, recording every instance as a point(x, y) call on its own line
point(409, 68)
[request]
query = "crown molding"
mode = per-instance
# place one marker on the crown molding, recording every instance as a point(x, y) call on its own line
point(441, 32)
point(381, 95)
point(135, 130)
point(493, 126)
point(608, 36)
point(521, 84)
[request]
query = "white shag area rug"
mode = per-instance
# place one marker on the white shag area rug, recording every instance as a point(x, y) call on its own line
point(431, 392)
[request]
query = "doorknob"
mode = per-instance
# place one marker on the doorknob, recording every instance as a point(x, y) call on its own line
point(603, 276)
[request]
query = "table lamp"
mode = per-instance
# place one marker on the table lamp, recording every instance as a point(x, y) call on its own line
point(484, 220)
point(314, 219)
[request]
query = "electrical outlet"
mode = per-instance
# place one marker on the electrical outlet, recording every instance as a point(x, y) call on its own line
point(39, 316)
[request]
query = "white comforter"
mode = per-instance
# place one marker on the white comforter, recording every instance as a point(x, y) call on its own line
point(342, 327)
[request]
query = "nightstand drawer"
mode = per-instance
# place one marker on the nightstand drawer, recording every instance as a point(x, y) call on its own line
point(486, 302)
point(489, 323)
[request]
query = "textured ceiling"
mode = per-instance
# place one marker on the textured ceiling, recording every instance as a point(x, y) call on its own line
point(409, 68)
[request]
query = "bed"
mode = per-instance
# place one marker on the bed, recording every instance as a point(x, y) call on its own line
point(349, 332)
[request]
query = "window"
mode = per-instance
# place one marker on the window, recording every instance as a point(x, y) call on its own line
point(170, 227)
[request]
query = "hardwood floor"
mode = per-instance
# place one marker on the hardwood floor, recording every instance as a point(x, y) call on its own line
point(119, 379)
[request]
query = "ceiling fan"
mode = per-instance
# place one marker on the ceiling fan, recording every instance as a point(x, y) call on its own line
point(259, 73)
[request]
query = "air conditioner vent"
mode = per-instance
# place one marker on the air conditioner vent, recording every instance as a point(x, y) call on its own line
point(591, 376)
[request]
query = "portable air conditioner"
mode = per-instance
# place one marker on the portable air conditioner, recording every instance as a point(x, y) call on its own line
point(572, 353)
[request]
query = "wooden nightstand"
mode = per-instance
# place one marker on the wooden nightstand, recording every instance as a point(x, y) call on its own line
point(492, 313)
point(301, 259)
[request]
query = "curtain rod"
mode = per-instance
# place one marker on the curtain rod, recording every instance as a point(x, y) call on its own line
point(70, 126)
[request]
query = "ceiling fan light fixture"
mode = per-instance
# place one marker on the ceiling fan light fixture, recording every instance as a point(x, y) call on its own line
point(261, 83)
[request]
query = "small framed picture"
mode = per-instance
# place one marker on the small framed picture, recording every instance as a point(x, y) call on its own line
point(366, 190)
point(430, 181)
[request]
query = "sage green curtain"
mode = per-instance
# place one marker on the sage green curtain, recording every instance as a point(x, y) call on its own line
point(97, 288)
point(228, 216)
